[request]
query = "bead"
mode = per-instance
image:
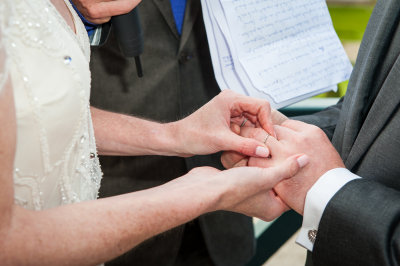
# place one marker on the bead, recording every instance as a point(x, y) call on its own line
point(92, 155)
point(67, 60)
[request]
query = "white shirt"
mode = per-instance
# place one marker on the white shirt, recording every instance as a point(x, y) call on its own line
point(316, 200)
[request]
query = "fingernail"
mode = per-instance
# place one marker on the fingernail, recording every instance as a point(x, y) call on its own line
point(303, 160)
point(262, 151)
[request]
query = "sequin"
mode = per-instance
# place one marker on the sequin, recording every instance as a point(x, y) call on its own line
point(67, 60)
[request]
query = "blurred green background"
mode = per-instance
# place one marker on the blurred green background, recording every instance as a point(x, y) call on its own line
point(350, 19)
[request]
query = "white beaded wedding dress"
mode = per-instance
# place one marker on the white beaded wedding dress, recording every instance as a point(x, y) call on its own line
point(56, 161)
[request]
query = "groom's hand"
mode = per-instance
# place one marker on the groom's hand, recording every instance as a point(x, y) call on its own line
point(295, 137)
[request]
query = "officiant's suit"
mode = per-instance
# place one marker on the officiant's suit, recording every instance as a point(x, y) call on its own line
point(178, 79)
point(361, 224)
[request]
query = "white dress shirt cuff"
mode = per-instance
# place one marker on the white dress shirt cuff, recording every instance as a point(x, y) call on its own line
point(316, 200)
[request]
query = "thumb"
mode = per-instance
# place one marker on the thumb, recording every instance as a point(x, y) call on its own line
point(246, 146)
point(285, 170)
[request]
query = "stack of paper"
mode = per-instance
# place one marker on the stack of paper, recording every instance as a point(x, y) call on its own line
point(280, 50)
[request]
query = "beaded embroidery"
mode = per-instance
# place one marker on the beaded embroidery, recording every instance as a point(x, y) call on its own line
point(61, 167)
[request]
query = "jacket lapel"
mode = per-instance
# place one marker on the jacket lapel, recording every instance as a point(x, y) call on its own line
point(385, 104)
point(191, 13)
point(371, 72)
point(165, 8)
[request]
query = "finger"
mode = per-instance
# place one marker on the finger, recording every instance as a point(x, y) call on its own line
point(253, 133)
point(242, 163)
point(244, 121)
point(276, 206)
point(285, 133)
point(256, 107)
point(285, 170)
point(262, 136)
point(260, 162)
point(245, 146)
point(237, 120)
point(266, 205)
point(251, 120)
point(235, 128)
point(230, 159)
point(295, 125)
point(112, 8)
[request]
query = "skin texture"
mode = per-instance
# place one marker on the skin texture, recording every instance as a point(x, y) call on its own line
point(93, 232)
point(101, 11)
point(90, 233)
point(293, 137)
point(235, 159)
point(205, 131)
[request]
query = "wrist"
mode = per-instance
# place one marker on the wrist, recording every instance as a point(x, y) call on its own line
point(172, 140)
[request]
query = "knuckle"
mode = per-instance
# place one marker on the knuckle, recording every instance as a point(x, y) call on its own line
point(317, 132)
point(253, 133)
point(286, 123)
point(93, 11)
point(267, 105)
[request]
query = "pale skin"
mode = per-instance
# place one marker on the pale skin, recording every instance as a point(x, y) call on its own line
point(292, 137)
point(93, 232)
point(101, 11)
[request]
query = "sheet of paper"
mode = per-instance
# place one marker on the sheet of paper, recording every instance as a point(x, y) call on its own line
point(220, 54)
point(233, 74)
point(281, 50)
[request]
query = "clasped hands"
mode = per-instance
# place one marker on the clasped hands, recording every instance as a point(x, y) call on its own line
point(282, 169)
point(289, 138)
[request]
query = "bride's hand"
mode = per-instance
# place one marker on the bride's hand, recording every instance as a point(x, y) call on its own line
point(101, 11)
point(208, 129)
point(232, 159)
point(246, 190)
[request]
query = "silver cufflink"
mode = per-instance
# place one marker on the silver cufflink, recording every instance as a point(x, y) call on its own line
point(312, 235)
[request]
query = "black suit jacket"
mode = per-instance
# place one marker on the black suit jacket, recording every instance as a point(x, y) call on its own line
point(361, 224)
point(178, 79)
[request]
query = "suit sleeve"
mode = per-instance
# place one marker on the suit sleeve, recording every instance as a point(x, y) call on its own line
point(325, 119)
point(360, 226)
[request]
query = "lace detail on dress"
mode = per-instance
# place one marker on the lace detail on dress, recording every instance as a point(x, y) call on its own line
point(56, 160)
